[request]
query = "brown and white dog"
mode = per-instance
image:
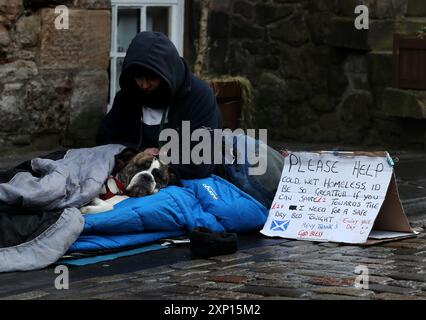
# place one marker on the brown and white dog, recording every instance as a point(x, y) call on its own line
point(135, 174)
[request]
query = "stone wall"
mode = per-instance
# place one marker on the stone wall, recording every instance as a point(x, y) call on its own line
point(383, 115)
point(315, 77)
point(53, 83)
point(280, 47)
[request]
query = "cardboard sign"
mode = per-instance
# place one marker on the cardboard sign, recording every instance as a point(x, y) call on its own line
point(341, 197)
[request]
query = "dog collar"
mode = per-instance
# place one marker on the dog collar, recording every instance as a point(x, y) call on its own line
point(111, 188)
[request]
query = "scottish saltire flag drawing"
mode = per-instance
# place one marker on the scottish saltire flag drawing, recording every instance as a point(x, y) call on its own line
point(277, 225)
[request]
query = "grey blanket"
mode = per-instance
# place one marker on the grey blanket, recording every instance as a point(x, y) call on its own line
point(44, 209)
point(70, 182)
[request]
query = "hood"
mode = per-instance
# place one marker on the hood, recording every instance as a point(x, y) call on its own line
point(154, 51)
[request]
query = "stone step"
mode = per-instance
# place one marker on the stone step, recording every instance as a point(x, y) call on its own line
point(404, 103)
point(379, 36)
point(380, 9)
point(380, 66)
point(411, 25)
point(377, 8)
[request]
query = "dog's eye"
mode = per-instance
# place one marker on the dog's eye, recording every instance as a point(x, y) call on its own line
point(157, 173)
point(160, 178)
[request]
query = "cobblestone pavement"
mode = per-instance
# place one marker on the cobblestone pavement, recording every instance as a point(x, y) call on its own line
point(280, 269)
point(286, 269)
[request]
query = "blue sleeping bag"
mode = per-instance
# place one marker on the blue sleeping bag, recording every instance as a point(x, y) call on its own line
point(211, 202)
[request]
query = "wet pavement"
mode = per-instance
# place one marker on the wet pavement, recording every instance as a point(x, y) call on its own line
point(276, 269)
point(262, 269)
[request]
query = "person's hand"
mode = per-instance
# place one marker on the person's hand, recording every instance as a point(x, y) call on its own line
point(152, 151)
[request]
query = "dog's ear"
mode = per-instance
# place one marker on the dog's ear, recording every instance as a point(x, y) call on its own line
point(123, 158)
point(119, 165)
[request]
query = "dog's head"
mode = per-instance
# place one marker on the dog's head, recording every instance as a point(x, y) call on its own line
point(144, 175)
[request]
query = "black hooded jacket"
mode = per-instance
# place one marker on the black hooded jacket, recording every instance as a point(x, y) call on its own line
point(188, 99)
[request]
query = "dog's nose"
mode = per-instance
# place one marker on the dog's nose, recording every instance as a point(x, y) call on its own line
point(141, 184)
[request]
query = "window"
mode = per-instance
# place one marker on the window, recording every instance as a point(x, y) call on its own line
point(133, 16)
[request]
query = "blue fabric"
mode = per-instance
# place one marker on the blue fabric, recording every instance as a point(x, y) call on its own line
point(211, 202)
point(261, 187)
point(234, 209)
point(107, 257)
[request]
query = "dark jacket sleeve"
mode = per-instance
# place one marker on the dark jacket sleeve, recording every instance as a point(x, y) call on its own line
point(206, 115)
point(116, 126)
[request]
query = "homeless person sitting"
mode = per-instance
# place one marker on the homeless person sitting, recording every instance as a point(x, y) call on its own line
point(159, 91)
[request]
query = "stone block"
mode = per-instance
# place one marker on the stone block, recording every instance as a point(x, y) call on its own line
point(377, 8)
point(268, 62)
point(193, 264)
point(323, 6)
point(4, 21)
point(336, 78)
point(82, 4)
point(317, 66)
point(378, 37)
point(10, 8)
point(322, 103)
point(229, 279)
point(11, 110)
point(297, 90)
point(269, 100)
point(319, 25)
point(21, 54)
point(387, 9)
point(85, 45)
point(269, 13)
point(93, 4)
point(410, 26)
point(356, 64)
point(30, 295)
point(225, 6)
point(4, 36)
point(244, 8)
point(241, 61)
point(231, 257)
point(217, 55)
point(88, 106)
point(356, 71)
point(380, 64)
point(27, 30)
point(349, 291)
point(242, 28)
point(347, 8)
point(329, 123)
point(355, 116)
point(303, 124)
point(18, 70)
point(416, 8)
point(36, 4)
point(218, 26)
point(271, 80)
point(48, 101)
point(271, 291)
point(292, 63)
point(404, 103)
point(292, 31)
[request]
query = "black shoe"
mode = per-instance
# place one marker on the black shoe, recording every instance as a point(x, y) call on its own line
point(206, 243)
